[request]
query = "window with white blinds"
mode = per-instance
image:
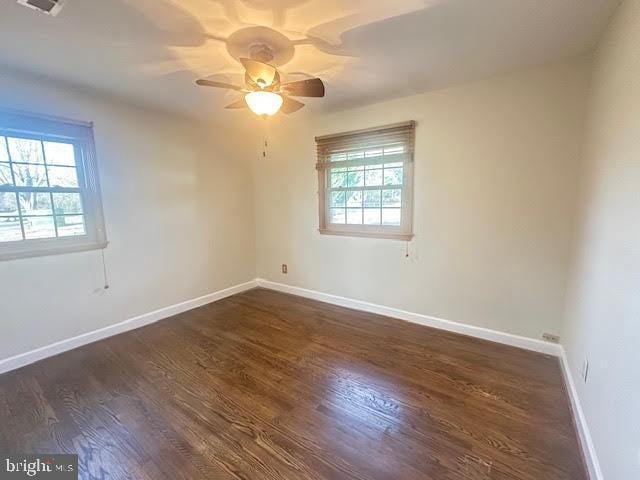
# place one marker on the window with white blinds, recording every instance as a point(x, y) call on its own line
point(366, 182)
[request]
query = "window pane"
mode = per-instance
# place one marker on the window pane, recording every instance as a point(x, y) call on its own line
point(25, 150)
point(70, 225)
point(354, 199)
point(35, 203)
point(338, 199)
point(391, 198)
point(8, 203)
point(38, 227)
point(337, 215)
point(355, 155)
point(354, 216)
point(5, 175)
point(59, 154)
point(393, 176)
point(62, 177)
point(67, 203)
point(338, 179)
point(338, 157)
point(10, 230)
point(4, 156)
point(393, 165)
point(373, 178)
point(391, 216)
point(30, 175)
point(372, 198)
point(355, 179)
point(372, 216)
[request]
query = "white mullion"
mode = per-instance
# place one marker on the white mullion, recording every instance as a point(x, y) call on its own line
point(380, 224)
point(41, 189)
point(381, 204)
point(46, 171)
point(13, 178)
point(362, 205)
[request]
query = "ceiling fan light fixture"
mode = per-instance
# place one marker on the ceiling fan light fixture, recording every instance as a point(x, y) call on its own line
point(264, 103)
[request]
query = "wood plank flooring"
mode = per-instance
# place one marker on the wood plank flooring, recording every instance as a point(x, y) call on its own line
point(265, 385)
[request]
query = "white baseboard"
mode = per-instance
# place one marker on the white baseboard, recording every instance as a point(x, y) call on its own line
point(473, 331)
point(584, 436)
point(32, 356)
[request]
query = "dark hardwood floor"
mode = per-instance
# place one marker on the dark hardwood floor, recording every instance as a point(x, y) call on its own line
point(264, 385)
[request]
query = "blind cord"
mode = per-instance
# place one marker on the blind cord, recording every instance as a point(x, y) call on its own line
point(265, 142)
point(104, 271)
point(407, 250)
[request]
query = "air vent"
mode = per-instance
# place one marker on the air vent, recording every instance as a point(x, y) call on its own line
point(50, 7)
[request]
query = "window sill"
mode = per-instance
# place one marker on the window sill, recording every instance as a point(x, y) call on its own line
point(385, 236)
point(51, 250)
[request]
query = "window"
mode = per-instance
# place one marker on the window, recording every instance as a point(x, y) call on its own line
point(366, 182)
point(49, 193)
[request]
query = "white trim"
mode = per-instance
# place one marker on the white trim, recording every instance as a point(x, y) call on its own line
point(434, 322)
point(584, 436)
point(27, 358)
point(72, 247)
point(42, 116)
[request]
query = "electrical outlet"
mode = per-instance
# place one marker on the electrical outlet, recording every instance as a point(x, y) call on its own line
point(550, 337)
point(585, 370)
point(284, 268)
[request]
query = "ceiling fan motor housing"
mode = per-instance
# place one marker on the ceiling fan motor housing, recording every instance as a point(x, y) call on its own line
point(261, 52)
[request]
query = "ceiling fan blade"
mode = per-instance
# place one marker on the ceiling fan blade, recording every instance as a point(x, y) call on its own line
point(289, 105)
point(261, 73)
point(210, 83)
point(312, 87)
point(237, 104)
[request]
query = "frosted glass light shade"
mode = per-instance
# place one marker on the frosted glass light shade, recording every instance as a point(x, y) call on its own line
point(263, 103)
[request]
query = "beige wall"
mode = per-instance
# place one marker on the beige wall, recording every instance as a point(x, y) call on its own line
point(179, 216)
point(495, 189)
point(603, 322)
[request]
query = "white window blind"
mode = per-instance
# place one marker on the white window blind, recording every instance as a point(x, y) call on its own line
point(366, 182)
point(49, 193)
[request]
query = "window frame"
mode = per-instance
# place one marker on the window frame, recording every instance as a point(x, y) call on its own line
point(404, 231)
point(43, 128)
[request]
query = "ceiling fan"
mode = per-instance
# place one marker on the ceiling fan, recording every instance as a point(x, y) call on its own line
point(264, 93)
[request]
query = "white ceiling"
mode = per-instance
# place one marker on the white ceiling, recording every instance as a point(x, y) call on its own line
point(152, 51)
